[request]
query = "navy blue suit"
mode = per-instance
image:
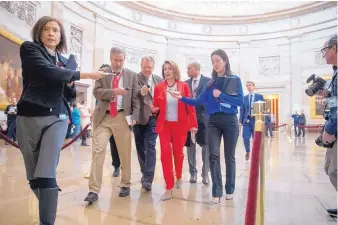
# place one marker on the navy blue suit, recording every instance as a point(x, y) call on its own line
point(247, 120)
point(202, 119)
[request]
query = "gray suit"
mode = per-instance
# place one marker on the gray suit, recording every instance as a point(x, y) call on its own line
point(144, 131)
point(201, 118)
point(145, 101)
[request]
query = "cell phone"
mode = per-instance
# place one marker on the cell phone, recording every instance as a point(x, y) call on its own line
point(127, 89)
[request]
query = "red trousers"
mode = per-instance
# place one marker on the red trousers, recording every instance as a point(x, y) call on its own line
point(172, 141)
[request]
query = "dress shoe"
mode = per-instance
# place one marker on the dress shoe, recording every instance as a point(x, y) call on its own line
point(116, 172)
point(247, 156)
point(146, 186)
point(91, 197)
point(124, 192)
point(332, 212)
point(205, 180)
point(193, 178)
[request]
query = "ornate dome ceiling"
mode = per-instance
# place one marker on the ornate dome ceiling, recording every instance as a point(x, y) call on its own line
point(226, 11)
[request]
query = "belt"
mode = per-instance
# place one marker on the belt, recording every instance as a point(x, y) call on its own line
point(119, 110)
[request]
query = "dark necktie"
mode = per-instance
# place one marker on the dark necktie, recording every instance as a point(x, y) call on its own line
point(250, 104)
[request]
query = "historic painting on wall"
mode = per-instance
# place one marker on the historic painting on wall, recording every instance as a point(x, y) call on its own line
point(10, 68)
point(317, 103)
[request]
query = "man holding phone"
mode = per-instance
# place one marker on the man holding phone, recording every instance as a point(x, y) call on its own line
point(117, 110)
point(144, 131)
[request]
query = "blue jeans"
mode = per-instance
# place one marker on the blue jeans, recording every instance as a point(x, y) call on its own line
point(248, 131)
point(221, 124)
point(11, 129)
point(77, 130)
point(145, 140)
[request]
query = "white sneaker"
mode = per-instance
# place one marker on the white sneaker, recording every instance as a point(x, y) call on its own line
point(229, 196)
point(215, 200)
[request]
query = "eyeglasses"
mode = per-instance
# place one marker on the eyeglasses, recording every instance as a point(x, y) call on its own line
point(324, 49)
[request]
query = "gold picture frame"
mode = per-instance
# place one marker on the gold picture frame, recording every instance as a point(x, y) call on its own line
point(10, 68)
point(317, 104)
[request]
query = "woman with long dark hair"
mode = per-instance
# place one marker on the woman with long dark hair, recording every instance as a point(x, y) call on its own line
point(43, 110)
point(222, 108)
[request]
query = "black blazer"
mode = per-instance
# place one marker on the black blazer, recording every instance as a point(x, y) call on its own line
point(44, 83)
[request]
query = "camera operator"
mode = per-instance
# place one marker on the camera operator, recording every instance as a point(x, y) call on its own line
point(330, 129)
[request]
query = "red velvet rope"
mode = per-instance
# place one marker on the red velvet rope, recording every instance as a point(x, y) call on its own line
point(314, 126)
point(251, 204)
point(7, 139)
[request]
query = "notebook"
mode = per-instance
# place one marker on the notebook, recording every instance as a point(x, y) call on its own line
point(71, 63)
point(227, 85)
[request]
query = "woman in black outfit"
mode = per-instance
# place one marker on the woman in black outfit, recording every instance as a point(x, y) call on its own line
point(43, 111)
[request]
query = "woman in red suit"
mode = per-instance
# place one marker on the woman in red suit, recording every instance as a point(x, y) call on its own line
point(174, 121)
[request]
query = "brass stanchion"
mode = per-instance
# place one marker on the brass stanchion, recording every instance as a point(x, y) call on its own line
point(259, 113)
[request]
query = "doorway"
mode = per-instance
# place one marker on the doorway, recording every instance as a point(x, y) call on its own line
point(272, 103)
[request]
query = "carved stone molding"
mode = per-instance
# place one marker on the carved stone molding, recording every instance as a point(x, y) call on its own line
point(134, 55)
point(269, 66)
point(137, 16)
point(76, 40)
point(23, 10)
point(205, 63)
point(319, 58)
point(172, 25)
point(207, 29)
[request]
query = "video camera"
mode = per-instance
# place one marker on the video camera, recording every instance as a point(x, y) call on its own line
point(318, 84)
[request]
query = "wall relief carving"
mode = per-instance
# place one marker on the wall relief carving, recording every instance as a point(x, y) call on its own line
point(205, 63)
point(23, 10)
point(76, 40)
point(319, 58)
point(269, 66)
point(134, 55)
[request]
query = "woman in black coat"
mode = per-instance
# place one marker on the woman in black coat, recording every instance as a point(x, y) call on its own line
point(43, 110)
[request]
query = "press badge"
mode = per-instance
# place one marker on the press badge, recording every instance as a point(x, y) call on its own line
point(332, 102)
point(62, 116)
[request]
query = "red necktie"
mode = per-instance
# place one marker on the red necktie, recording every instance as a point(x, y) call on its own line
point(113, 104)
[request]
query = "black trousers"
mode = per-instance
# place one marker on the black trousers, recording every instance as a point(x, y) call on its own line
point(114, 154)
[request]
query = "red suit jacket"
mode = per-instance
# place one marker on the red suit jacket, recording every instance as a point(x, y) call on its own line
point(186, 113)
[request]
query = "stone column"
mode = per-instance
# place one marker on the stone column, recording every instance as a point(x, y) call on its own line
point(243, 59)
point(99, 46)
point(244, 65)
point(296, 91)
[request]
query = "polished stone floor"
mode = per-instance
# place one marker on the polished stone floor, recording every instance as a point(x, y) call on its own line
point(297, 190)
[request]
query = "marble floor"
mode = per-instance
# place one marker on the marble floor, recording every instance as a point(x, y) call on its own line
point(297, 190)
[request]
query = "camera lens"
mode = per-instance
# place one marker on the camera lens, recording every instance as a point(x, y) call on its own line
point(309, 92)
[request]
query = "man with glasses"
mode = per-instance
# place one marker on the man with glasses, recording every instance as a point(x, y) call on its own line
point(330, 128)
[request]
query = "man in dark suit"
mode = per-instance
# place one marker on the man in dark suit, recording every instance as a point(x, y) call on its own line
point(116, 112)
point(246, 119)
point(197, 83)
point(144, 131)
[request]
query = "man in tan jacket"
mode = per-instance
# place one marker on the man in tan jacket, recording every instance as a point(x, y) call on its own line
point(116, 112)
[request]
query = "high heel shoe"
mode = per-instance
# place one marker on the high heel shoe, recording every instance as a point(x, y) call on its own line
point(178, 183)
point(168, 194)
